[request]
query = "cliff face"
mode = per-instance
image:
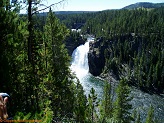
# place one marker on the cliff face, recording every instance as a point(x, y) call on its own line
point(71, 43)
point(96, 55)
point(96, 59)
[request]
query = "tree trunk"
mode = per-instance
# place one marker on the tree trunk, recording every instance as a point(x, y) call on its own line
point(29, 28)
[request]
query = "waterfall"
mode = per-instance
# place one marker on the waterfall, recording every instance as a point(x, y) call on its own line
point(79, 66)
point(79, 63)
point(141, 101)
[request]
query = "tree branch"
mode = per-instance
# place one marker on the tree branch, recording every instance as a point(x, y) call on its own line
point(49, 6)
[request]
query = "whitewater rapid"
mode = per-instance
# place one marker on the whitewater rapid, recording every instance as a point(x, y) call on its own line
point(141, 101)
point(79, 66)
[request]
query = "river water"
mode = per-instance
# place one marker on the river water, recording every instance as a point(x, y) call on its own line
point(141, 101)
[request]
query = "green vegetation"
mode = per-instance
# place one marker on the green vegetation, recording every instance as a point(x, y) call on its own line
point(122, 106)
point(35, 70)
point(134, 41)
point(144, 5)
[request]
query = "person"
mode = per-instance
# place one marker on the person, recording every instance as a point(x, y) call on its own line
point(3, 108)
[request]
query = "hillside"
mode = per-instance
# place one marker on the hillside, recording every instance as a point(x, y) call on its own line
point(73, 12)
point(132, 38)
point(144, 5)
point(66, 12)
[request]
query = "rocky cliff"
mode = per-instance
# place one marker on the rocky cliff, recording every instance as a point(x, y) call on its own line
point(97, 53)
point(73, 42)
point(96, 59)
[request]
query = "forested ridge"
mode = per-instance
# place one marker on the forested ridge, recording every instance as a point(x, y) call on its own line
point(35, 71)
point(134, 38)
point(144, 5)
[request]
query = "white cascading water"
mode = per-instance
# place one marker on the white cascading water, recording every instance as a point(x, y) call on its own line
point(80, 60)
point(141, 100)
point(80, 67)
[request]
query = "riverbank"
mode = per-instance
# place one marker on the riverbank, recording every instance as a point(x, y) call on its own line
point(111, 77)
point(141, 100)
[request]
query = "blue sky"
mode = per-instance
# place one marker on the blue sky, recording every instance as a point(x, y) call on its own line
point(94, 5)
point(88, 5)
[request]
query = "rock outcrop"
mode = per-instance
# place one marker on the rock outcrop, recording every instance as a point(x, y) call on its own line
point(96, 59)
point(71, 43)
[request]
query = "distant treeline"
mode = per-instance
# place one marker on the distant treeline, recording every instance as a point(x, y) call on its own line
point(34, 65)
point(136, 38)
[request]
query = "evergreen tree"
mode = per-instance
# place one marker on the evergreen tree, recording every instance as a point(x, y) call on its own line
point(57, 67)
point(12, 49)
point(92, 106)
point(106, 107)
point(121, 107)
point(150, 116)
point(80, 105)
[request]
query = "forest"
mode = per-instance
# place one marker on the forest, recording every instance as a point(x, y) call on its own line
point(35, 71)
point(134, 38)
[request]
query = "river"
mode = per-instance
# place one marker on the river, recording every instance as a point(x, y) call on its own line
point(141, 101)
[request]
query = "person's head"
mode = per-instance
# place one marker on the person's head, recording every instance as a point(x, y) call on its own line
point(3, 108)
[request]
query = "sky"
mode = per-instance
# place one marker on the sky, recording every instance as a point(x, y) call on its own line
point(93, 5)
point(86, 5)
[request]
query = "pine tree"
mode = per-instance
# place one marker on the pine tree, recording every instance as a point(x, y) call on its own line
point(150, 116)
point(122, 106)
point(80, 105)
point(92, 106)
point(57, 67)
point(106, 107)
point(12, 49)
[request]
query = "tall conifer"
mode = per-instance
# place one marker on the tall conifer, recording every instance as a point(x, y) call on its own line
point(122, 106)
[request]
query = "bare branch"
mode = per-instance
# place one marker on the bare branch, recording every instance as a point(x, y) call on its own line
point(49, 6)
